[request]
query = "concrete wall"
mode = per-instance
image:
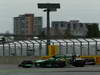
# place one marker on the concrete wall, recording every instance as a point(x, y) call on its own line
point(14, 59)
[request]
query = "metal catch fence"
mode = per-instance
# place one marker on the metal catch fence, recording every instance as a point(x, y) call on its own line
point(83, 47)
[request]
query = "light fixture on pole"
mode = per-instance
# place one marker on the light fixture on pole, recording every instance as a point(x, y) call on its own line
point(48, 7)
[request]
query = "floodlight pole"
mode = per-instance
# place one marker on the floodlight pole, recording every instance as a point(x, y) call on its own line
point(48, 30)
point(48, 7)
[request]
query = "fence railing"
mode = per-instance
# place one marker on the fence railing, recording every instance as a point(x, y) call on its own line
point(83, 47)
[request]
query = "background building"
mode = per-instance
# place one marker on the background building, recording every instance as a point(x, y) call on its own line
point(93, 30)
point(38, 25)
point(73, 28)
point(27, 25)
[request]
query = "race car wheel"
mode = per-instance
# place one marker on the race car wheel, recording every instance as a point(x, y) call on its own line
point(60, 64)
point(26, 66)
point(78, 63)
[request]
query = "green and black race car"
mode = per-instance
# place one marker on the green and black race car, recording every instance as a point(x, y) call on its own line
point(54, 61)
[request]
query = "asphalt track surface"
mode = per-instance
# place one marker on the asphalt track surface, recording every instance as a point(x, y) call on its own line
point(15, 68)
point(69, 70)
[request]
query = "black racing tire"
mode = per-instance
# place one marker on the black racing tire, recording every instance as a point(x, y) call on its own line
point(26, 66)
point(25, 62)
point(35, 64)
point(43, 65)
point(59, 64)
point(78, 63)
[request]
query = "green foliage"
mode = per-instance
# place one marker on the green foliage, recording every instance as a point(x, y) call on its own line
point(67, 34)
point(42, 35)
point(93, 31)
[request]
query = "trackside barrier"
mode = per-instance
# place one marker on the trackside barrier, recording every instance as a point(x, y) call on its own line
point(53, 50)
point(97, 58)
point(15, 59)
point(80, 46)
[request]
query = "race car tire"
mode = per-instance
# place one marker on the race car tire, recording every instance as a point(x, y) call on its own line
point(78, 63)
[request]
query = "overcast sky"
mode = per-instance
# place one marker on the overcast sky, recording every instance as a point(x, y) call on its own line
point(83, 10)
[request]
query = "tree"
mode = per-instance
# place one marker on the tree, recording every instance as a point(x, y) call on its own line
point(42, 35)
point(67, 34)
point(93, 30)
